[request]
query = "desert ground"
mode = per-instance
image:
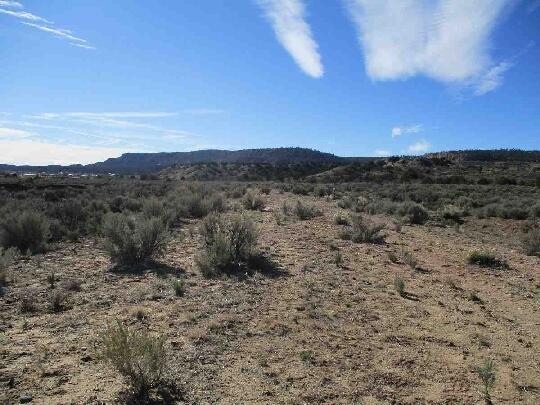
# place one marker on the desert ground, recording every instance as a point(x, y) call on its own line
point(324, 324)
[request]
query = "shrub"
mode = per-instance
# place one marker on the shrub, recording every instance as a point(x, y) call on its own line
point(6, 259)
point(413, 212)
point(137, 356)
point(228, 244)
point(535, 211)
point(179, 287)
point(399, 285)
point(253, 201)
point(486, 372)
point(452, 213)
point(362, 231)
point(341, 219)
point(486, 259)
point(57, 300)
point(410, 260)
point(132, 240)
point(531, 242)
point(305, 211)
point(27, 231)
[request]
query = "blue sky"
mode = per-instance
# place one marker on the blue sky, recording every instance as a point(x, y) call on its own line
point(83, 80)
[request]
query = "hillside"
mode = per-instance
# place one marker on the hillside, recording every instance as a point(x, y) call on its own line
point(133, 163)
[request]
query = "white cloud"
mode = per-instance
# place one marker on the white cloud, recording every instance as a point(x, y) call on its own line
point(294, 33)
point(10, 4)
point(419, 147)
point(398, 131)
point(447, 40)
point(382, 152)
point(92, 48)
point(31, 152)
point(39, 23)
point(13, 133)
point(492, 79)
point(67, 34)
point(23, 15)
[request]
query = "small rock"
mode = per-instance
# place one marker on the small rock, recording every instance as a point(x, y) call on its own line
point(25, 398)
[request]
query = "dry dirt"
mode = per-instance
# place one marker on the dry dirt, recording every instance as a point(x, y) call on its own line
point(311, 332)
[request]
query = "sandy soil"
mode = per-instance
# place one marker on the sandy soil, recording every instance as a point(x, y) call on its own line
point(310, 332)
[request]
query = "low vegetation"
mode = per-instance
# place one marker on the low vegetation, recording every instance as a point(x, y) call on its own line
point(25, 230)
point(137, 356)
point(228, 243)
point(131, 240)
point(486, 259)
point(363, 231)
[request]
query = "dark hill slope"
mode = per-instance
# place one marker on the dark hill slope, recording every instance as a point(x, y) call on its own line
point(132, 163)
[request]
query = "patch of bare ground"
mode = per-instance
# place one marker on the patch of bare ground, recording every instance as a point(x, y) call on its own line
point(316, 331)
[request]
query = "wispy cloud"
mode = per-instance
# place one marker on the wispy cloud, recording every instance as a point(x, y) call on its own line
point(492, 79)
point(446, 40)
point(13, 133)
point(42, 24)
point(10, 4)
point(398, 131)
point(287, 18)
point(129, 114)
point(419, 147)
point(23, 15)
point(56, 31)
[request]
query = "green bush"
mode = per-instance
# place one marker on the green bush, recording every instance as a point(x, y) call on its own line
point(137, 356)
point(27, 231)
point(228, 244)
point(132, 240)
point(486, 259)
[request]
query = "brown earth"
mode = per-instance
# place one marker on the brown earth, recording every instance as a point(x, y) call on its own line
point(309, 332)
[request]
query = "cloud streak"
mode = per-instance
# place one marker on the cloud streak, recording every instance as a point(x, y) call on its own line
point(398, 131)
point(42, 24)
point(67, 34)
point(10, 4)
point(446, 40)
point(294, 33)
point(23, 15)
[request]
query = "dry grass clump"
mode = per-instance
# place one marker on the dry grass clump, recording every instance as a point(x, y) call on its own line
point(7, 257)
point(531, 242)
point(253, 201)
point(306, 211)
point(132, 240)
point(136, 356)
point(229, 243)
point(363, 231)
